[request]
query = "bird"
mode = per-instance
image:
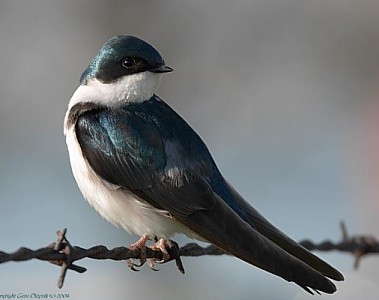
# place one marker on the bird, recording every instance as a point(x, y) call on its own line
point(144, 169)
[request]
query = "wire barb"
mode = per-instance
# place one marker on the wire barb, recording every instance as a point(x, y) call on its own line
point(63, 254)
point(357, 245)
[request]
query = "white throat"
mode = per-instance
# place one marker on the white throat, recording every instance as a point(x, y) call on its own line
point(128, 89)
point(131, 88)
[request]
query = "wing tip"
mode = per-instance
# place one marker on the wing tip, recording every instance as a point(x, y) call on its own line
point(327, 287)
point(336, 275)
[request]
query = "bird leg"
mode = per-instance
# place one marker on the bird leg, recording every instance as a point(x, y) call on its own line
point(141, 245)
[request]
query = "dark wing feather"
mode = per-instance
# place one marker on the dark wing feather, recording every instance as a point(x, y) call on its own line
point(129, 147)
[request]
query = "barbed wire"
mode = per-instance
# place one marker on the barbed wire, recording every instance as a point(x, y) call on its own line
point(357, 245)
point(63, 254)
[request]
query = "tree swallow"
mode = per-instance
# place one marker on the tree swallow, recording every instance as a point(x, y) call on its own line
point(143, 168)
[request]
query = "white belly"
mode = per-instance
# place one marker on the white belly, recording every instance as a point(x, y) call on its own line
point(119, 206)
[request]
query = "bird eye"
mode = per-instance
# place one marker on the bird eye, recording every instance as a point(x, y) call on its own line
point(128, 62)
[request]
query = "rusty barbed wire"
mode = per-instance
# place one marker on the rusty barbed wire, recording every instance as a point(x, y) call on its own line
point(357, 245)
point(63, 254)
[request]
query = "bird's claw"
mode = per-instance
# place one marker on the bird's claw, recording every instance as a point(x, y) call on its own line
point(132, 265)
point(139, 245)
point(163, 245)
point(151, 263)
point(166, 246)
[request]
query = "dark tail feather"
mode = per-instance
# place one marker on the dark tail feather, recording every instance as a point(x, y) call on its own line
point(265, 228)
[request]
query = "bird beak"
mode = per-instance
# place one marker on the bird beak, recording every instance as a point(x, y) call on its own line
point(161, 69)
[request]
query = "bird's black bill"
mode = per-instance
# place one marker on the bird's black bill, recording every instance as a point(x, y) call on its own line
point(161, 69)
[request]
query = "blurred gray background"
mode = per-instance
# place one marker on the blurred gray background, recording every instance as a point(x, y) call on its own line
point(284, 92)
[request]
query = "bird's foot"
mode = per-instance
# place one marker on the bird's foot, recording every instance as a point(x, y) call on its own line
point(164, 245)
point(139, 245)
point(169, 249)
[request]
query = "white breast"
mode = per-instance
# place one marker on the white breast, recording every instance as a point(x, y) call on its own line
point(119, 206)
